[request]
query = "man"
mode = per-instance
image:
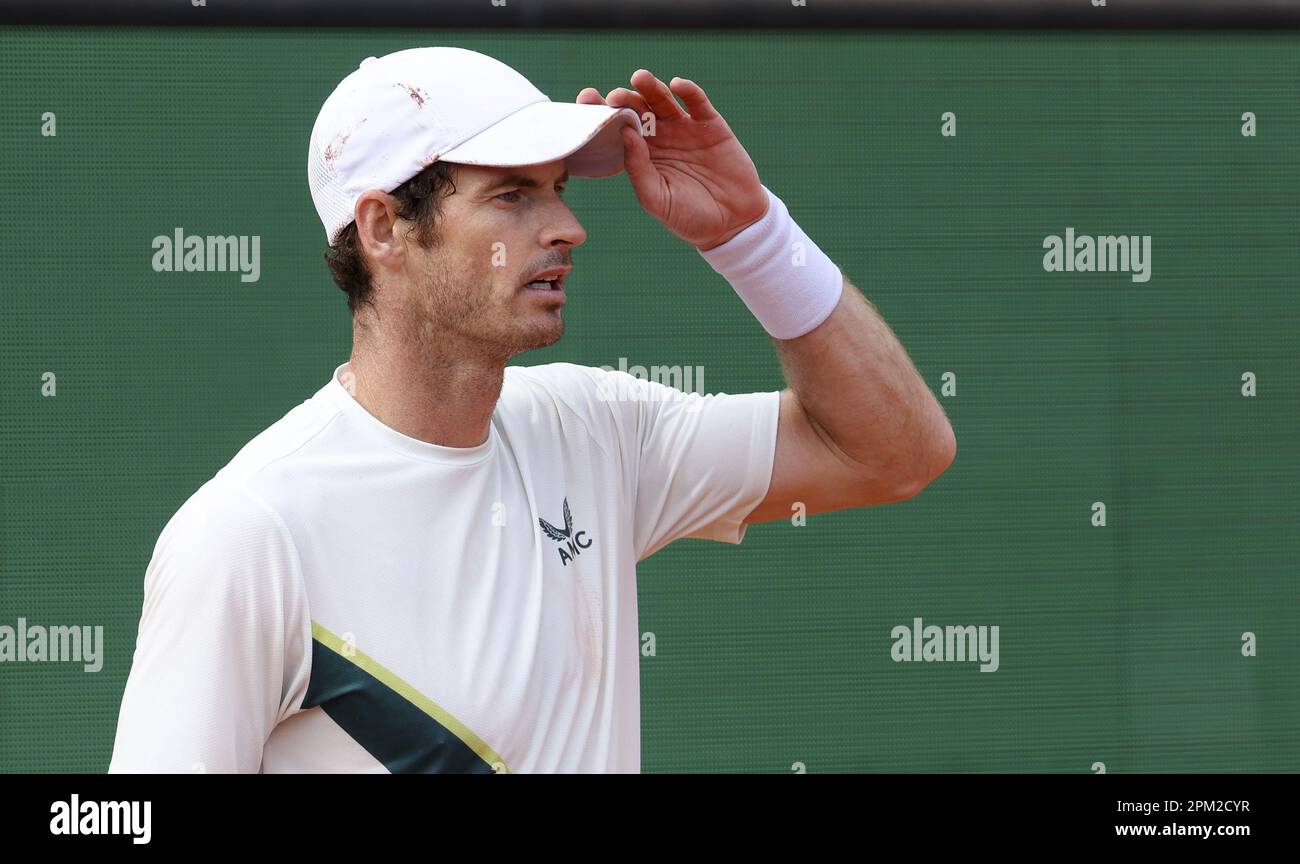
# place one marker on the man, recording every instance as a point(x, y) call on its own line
point(430, 565)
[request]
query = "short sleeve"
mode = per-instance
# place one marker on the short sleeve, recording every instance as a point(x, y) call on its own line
point(223, 648)
point(703, 462)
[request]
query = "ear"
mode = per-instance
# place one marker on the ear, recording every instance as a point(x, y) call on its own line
point(377, 219)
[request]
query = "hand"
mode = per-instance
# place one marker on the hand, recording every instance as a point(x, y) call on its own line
point(691, 174)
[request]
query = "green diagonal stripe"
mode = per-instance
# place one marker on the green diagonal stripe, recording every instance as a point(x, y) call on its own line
point(397, 724)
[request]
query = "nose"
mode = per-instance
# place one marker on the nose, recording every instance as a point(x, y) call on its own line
point(563, 227)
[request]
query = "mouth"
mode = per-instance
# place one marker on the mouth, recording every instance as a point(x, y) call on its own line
point(549, 281)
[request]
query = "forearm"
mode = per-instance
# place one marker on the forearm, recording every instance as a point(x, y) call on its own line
point(863, 395)
point(855, 383)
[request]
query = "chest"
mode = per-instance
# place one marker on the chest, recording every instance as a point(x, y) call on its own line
point(492, 606)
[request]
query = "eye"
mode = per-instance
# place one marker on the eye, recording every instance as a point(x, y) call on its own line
point(560, 190)
point(512, 200)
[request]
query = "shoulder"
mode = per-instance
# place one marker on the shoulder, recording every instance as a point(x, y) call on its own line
point(231, 524)
point(224, 537)
point(574, 399)
point(562, 379)
point(241, 497)
point(283, 439)
point(588, 391)
point(223, 510)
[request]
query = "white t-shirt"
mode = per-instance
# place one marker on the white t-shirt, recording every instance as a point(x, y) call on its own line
point(341, 597)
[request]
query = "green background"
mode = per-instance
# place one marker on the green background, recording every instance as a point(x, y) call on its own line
point(1119, 644)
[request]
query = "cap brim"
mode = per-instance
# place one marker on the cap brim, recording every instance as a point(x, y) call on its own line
point(586, 136)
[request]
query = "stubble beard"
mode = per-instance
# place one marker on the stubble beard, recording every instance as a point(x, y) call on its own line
point(480, 315)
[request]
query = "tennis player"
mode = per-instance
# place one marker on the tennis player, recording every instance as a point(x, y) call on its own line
point(430, 565)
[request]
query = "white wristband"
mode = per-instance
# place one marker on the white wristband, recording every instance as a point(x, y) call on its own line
point(786, 281)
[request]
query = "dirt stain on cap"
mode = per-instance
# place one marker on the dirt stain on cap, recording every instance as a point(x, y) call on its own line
point(415, 93)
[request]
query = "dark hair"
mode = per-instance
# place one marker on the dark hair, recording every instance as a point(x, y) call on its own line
point(419, 201)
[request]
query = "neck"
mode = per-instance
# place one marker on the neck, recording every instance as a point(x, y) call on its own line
point(441, 393)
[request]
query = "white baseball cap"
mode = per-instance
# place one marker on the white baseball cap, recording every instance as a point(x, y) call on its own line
point(397, 114)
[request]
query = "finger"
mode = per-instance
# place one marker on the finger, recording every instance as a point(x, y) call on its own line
point(694, 98)
point(621, 97)
point(657, 95)
point(636, 162)
point(590, 96)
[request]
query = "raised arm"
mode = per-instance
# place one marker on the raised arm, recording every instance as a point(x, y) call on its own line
point(858, 426)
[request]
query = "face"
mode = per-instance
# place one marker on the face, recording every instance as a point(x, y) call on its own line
point(501, 228)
